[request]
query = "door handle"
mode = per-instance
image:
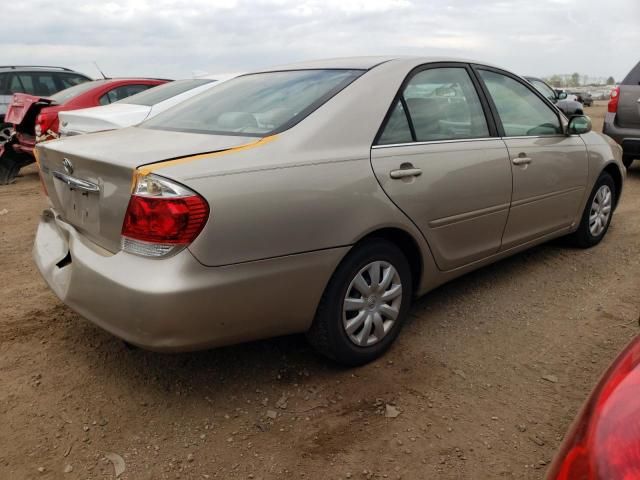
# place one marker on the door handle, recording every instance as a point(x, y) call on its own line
point(406, 170)
point(521, 161)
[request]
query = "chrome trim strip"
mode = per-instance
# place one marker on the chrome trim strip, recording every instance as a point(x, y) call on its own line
point(77, 183)
point(435, 142)
point(544, 196)
point(464, 140)
point(462, 217)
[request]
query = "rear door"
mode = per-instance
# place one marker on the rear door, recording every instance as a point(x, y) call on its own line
point(628, 115)
point(436, 158)
point(549, 168)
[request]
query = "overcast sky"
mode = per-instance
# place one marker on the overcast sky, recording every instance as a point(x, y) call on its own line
point(177, 38)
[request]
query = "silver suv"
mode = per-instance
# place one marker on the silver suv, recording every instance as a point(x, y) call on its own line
point(34, 80)
point(622, 122)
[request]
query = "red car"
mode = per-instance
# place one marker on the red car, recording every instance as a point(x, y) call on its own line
point(604, 442)
point(35, 119)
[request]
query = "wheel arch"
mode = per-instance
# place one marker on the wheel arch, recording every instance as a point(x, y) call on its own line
point(405, 242)
point(613, 170)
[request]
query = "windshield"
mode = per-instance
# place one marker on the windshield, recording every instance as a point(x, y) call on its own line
point(159, 94)
point(257, 104)
point(72, 92)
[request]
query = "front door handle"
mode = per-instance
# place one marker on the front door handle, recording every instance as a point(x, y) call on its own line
point(406, 170)
point(521, 161)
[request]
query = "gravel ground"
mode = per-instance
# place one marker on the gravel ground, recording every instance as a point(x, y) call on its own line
point(483, 382)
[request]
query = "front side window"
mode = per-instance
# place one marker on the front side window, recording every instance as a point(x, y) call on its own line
point(521, 111)
point(442, 104)
point(544, 89)
point(256, 104)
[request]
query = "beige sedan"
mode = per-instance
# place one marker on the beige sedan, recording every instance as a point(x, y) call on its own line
point(319, 198)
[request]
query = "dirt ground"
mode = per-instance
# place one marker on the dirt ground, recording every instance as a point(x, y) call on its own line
point(466, 375)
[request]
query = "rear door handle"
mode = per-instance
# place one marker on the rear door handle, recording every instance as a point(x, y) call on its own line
point(405, 172)
point(521, 161)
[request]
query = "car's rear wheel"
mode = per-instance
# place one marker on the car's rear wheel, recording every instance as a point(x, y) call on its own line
point(364, 305)
point(597, 214)
point(6, 132)
point(9, 168)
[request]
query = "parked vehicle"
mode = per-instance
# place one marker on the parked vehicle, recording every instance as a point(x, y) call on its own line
point(297, 200)
point(136, 108)
point(32, 80)
point(622, 121)
point(35, 119)
point(567, 105)
point(40, 81)
point(584, 98)
point(604, 441)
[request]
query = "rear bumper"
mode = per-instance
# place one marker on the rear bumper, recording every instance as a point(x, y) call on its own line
point(628, 138)
point(177, 303)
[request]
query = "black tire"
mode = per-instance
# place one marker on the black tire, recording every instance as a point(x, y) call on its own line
point(583, 237)
point(6, 131)
point(327, 333)
point(9, 168)
point(627, 161)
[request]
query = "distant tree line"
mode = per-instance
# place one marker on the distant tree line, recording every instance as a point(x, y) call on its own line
point(577, 80)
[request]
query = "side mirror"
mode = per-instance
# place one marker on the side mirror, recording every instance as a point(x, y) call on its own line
point(562, 95)
point(579, 124)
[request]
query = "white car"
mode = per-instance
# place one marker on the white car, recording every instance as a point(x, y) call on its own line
point(136, 108)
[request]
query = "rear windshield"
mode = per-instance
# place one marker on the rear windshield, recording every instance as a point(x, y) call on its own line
point(72, 92)
point(633, 78)
point(163, 92)
point(257, 104)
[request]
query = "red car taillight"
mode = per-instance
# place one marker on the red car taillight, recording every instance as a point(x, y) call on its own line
point(46, 121)
point(613, 101)
point(604, 442)
point(162, 217)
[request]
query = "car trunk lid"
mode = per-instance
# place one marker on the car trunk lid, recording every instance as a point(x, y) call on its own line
point(24, 108)
point(89, 178)
point(98, 119)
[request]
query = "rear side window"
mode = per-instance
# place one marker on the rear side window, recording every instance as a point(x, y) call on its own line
point(257, 104)
point(44, 84)
point(441, 104)
point(521, 111)
point(4, 84)
point(70, 79)
point(633, 78)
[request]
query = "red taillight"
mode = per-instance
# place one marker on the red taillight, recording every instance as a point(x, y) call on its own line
point(162, 216)
point(613, 102)
point(604, 442)
point(45, 122)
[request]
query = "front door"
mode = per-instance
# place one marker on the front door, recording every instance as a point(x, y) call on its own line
point(436, 159)
point(550, 169)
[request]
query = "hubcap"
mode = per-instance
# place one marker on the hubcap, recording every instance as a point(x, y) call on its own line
point(372, 303)
point(600, 212)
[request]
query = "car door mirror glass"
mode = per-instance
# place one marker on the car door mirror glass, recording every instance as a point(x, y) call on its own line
point(579, 124)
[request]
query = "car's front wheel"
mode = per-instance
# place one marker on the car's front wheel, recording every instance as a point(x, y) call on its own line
point(597, 214)
point(364, 305)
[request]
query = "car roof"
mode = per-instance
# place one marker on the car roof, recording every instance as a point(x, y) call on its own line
point(36, 68)
point(364, 63)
